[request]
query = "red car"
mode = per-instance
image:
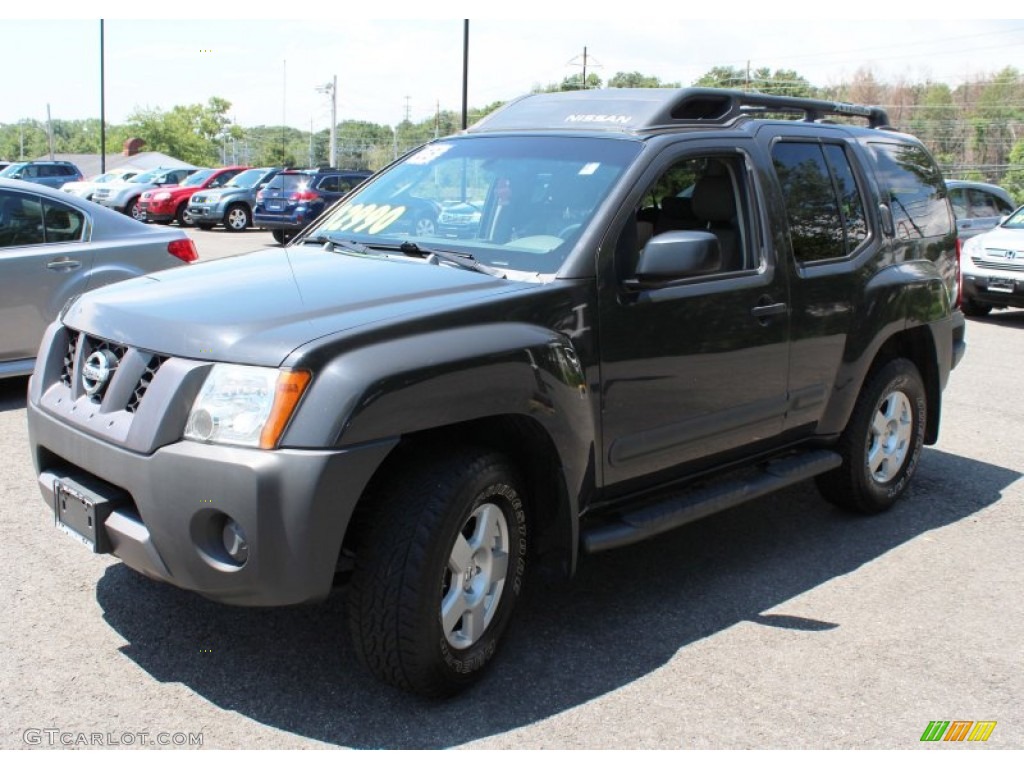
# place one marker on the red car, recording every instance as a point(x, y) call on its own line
point(170, 203)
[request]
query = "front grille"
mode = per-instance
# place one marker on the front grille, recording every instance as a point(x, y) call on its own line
point(67, 371)
point(144, 381)
point(1013, 266)
point(139, 366)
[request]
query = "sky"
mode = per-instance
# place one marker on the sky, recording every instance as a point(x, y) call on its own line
point(392, 68)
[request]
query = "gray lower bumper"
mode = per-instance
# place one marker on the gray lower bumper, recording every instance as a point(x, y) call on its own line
point(293, 506)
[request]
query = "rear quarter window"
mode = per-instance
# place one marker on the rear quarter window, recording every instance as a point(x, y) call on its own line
point(908, 176)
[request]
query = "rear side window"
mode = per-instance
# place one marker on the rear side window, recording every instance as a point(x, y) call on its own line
point(823, 202)
point(917, 195)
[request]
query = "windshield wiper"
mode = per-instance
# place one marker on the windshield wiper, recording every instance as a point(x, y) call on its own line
point(330, 242)
point(436, 256)
point(431, 256)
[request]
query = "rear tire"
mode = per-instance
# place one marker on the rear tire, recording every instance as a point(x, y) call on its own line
point(882, 442)
point(281, 236)
point(183, 216)
point(438, 570)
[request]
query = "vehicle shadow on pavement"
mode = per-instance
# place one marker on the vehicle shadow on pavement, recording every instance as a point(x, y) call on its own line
point(13, 393)
point(625, 615)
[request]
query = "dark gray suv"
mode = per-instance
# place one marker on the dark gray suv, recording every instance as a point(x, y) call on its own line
point(50, 173)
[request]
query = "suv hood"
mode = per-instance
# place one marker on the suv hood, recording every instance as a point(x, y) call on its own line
point(255, 309)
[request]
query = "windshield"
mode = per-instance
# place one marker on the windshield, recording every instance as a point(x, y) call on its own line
point(247, 179)
point(197, 178)
point(516, 203)
point(1015, 220)
point(12, 169)
point(149, 176)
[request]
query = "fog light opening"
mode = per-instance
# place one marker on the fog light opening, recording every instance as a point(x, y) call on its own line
point(235, 544)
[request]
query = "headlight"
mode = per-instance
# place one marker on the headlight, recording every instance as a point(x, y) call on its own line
point(213, 197)
point(162, 196)
point(972, 248)
point(245, 405)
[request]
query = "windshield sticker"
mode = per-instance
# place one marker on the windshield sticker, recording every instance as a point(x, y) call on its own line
point(370, 218)
point(428, 154)
point(589, 169)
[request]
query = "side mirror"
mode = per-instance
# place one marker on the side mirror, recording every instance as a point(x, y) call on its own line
point(678, 254)
point(15, 176)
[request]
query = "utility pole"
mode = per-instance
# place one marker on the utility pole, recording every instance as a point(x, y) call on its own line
point(407, 108)
point(332, 89)
point(103, 112)
point(465, 72)
point(49, 130)
point(575, 62)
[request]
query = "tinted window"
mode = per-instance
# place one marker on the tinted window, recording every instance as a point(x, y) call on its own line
point(329, 184)
point(913, 184)
point(21, 220)
point(62, 222)
point(823, 203)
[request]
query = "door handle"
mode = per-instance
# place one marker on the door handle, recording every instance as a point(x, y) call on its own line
point(64, 265)
point(767, 310)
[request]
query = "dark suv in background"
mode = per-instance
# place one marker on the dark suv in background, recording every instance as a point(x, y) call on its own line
point(51, 173)
point(294, 198)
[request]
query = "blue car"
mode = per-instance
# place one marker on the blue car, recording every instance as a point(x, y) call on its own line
point(49, 173)
point(293, 199)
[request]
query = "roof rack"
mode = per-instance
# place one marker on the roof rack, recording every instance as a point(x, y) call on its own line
point(636, 110)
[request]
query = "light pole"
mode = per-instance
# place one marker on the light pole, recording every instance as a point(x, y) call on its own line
point(332, 89)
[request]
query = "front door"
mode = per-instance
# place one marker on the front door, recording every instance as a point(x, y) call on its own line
point(695, 367)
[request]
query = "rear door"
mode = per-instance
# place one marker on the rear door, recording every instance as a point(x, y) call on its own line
point(43, 262)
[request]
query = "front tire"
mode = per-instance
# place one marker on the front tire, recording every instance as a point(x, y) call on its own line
point(237, 218)
point(134, 210)
point(974, 309)
point(438, 570)
point(882, 442)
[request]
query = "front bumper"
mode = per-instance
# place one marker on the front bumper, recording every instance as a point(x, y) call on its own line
point(171, 498)
point(207, 213)
point(1000, 290)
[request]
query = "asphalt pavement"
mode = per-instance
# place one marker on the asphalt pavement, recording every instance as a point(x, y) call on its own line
point(783, 623)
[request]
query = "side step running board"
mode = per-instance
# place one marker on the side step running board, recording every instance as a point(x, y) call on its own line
point(664, 515)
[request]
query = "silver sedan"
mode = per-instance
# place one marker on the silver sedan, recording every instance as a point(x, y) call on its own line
point(53, 246)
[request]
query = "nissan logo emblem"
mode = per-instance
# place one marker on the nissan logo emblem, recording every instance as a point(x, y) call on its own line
point(98, 368)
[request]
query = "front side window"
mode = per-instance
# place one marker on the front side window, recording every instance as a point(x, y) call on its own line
point(824, 206)
point(705, 193)
point(515, 203)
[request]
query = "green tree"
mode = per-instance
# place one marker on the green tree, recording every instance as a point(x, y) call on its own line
point(1013, 179)
point(638, 80)
point(195, 133)
point(781, 82)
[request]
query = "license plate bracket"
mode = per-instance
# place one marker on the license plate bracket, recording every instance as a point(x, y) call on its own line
point(1001, 284)
point(81, 512)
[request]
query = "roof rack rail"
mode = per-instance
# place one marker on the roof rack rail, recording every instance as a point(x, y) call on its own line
point(638, 110)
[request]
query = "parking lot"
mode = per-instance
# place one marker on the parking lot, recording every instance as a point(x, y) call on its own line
point(779, 624)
